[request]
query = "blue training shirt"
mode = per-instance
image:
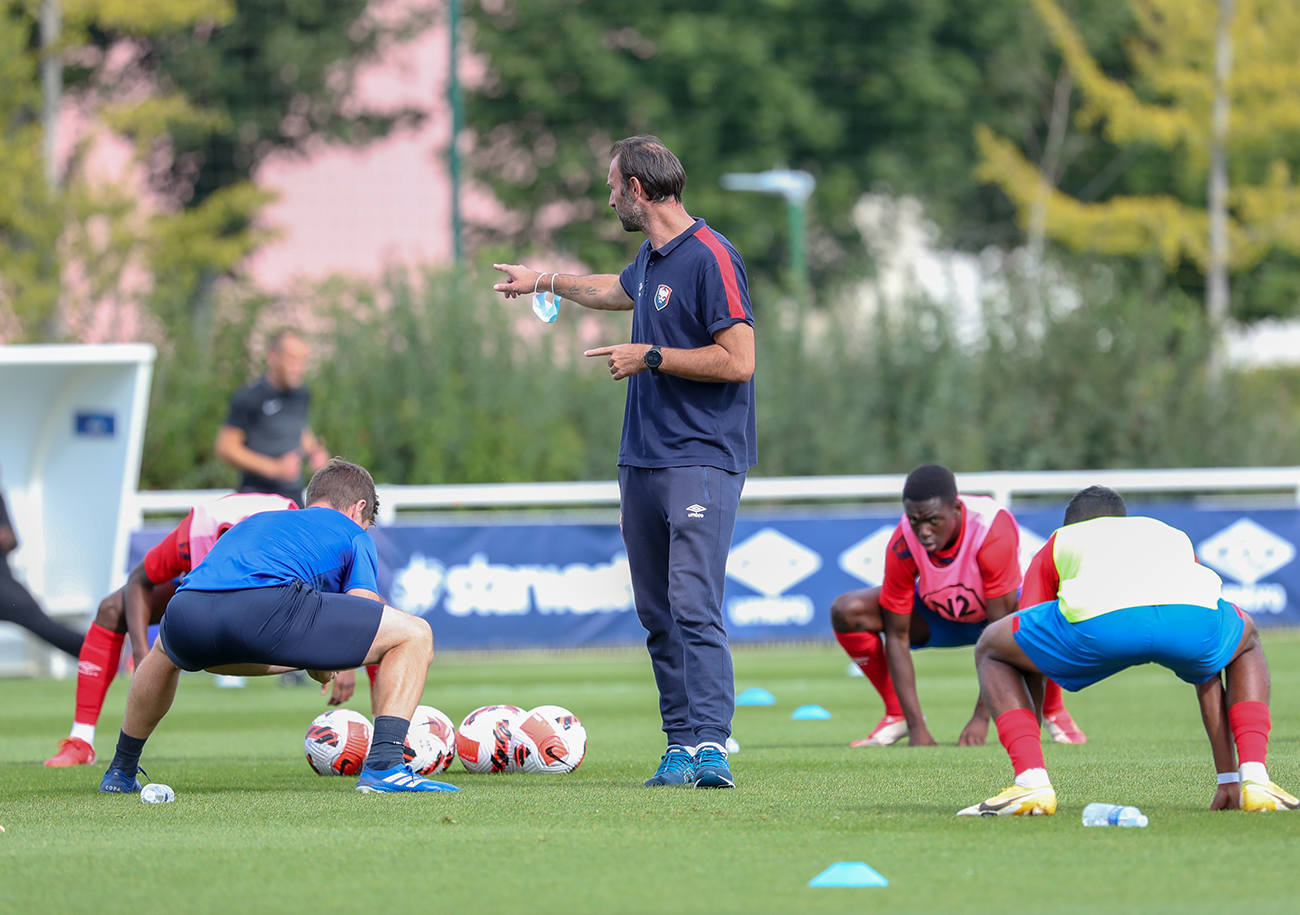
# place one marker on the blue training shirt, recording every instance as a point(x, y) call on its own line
point(684, 293)
point(318, 546)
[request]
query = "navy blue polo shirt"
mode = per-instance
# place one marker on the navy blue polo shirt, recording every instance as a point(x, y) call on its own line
point(684, 293)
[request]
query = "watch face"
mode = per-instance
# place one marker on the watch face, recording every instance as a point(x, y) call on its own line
point(653, 358)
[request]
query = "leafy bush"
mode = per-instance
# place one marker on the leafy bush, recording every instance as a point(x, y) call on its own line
point(436, 379)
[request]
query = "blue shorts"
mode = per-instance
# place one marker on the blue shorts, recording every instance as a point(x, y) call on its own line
point(289, 625)
point(946, 633)
point(1194, 642)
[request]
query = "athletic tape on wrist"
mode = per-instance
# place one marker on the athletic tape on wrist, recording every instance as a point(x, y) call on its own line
point(1229, 778)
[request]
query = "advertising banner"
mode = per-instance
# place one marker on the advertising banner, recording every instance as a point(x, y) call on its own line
point(565, 584)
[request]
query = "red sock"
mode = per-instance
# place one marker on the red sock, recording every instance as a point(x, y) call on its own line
point(1250, 723)
point(1018, 731)
point(867, 651)
point(96, 668)
point(1053, 702)
point(371, 671)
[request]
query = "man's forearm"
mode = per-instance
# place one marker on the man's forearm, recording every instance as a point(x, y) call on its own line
point(1214, 715)
point(241, 457)
point(595, 291)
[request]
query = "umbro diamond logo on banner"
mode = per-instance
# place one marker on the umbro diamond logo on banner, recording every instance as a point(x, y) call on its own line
point(695, 511)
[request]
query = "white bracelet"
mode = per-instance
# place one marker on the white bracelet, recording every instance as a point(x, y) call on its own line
point(1229, 778)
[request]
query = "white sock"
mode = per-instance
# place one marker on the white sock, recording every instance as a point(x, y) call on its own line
point(85, 732)
point(1254, 772)
point(1033, 778)
point(717, 746)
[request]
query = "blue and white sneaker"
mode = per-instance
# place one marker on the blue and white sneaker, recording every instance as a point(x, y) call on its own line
point(675, 768)
point(118, 782)
point(398, 778)
point(711, 769)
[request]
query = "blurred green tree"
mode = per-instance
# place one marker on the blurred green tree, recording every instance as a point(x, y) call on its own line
point(857, 92)
point(269, 76)
point(1168, 106)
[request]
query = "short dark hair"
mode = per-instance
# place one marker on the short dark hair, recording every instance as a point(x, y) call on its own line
point(341, 484)
point(1095, 502)
point(931, 481)
point(279, 335)
point(648, 160)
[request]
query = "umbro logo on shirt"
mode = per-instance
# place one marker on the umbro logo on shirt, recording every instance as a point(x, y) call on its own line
point(271, 407)
point(695, 511)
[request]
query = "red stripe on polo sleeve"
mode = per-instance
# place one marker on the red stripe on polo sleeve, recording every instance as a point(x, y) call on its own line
point(735, 307)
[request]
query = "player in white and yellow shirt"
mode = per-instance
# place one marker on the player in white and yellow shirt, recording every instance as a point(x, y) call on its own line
point(1108, 592)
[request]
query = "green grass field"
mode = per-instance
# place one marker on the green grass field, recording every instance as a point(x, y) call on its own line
point(252, 829)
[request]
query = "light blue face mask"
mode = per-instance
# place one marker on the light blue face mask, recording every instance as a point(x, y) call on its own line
point(546, 305)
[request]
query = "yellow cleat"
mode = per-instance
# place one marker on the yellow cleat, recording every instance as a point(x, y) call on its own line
point(1015, 802)
point(1255, 796)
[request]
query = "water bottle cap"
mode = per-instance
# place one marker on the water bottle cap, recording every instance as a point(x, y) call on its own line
point(1142, 820)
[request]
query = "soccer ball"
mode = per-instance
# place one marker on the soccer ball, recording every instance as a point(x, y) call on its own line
point(483, 740)
point(548, 739)
point(337, 742)
point(431, 741)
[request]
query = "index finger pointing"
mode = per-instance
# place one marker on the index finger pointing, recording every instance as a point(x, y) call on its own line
point(600, 351)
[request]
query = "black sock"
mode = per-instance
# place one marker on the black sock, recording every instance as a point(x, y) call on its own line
point(386, 746)
point(127, 757)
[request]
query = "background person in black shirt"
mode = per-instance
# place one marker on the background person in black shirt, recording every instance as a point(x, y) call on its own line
point(266, 435)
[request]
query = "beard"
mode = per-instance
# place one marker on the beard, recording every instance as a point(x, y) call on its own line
point(630, 214)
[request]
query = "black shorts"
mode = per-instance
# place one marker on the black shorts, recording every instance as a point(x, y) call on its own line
point(289, 625)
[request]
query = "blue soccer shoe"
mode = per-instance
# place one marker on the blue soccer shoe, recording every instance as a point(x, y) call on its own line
point(118, 782)
point(398, 778)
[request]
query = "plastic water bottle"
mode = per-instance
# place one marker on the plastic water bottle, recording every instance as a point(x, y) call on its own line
point(157, 794)
point(1112, 815)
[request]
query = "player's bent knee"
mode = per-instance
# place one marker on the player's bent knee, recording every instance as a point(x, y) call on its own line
point(406, 629)
point(991, 641)
point(852, 612)
point(112, 612)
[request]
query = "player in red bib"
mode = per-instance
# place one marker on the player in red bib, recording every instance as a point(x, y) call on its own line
point(1108, 592)
point(952, 567)
point(132, 608)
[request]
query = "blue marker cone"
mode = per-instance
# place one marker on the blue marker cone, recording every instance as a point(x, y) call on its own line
point(848, 873)
point(810, 713)
point(756, 695)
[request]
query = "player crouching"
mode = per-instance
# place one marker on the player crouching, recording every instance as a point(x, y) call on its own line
point(1126, 591)
point(290, 590)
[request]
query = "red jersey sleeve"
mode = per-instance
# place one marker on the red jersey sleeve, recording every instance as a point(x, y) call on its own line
point(171, 557)
point(1042, 581)
point(898, 590)
point(999, 557)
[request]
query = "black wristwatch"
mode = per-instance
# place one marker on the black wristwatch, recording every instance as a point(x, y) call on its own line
point(654, 359)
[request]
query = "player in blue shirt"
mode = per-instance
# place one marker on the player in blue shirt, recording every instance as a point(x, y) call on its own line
point(286, 591)
point(688, 441)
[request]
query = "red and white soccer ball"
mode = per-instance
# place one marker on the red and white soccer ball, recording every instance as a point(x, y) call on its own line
point(550, 738)
point(483, 740)
point(337, 742)
point(430, 742)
